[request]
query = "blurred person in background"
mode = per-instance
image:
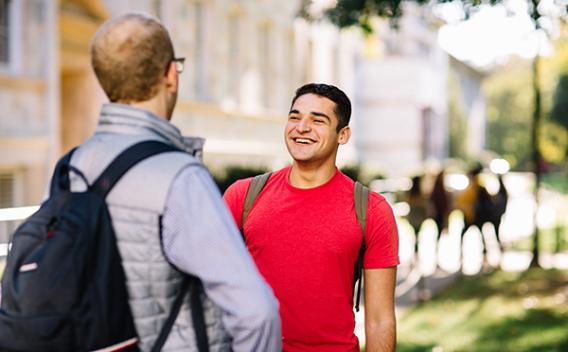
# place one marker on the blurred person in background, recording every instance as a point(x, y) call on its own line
point(476, 204)
point(304, 235)
point(440, 201)
point(169, 201)
point(419, 210)
point(499, 202)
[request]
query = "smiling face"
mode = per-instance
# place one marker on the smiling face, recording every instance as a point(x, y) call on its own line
point(311, 132)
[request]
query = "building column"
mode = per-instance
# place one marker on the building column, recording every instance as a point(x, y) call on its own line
point(52, 76)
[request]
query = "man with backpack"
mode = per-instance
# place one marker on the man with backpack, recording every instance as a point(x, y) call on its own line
point(311, 229)
point(167, 220)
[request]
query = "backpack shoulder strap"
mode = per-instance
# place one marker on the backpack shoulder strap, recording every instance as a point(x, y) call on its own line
point(198, 316)
point(361, 198)
point(60, 177)
point(361, 203)
point(257, 184)
point(170, 320)
point(195, 288)
point(127, 159)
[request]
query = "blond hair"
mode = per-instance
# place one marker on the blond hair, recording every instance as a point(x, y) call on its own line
point(130, 55)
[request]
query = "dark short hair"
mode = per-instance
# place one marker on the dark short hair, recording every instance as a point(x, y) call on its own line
point(336, 95)
point(130, 66)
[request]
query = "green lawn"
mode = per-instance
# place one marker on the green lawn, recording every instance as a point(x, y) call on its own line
point(550, 240)
point(557, 181)
point(494, 312)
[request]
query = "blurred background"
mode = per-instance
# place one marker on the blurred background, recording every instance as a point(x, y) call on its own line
point(435, 86)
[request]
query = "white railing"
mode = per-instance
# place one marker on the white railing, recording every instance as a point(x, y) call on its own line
point(10, 219)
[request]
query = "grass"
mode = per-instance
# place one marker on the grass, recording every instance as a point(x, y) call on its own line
point(501, 311)
point(557, 181)
point(551, 240)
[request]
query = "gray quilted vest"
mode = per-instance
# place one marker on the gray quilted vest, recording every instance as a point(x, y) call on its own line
point(136, 204)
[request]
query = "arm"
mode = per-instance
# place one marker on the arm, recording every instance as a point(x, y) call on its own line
point(380, 263)
point(380, 321)
point(200, 238)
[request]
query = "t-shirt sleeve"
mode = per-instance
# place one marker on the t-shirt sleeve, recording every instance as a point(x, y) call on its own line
point(381, 235)
point(235, 198)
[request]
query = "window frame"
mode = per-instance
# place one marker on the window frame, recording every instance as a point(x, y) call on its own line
point(200, 13)
point(13, 64)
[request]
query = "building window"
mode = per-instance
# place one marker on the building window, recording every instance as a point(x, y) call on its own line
point(427, 141)
point(234, 59)
point(308, 69)
point(264, 48)
point(291, 64)
point(4, 31)
point(157, 8)
point(7, 196)
point(199, 51)
point(335, 67)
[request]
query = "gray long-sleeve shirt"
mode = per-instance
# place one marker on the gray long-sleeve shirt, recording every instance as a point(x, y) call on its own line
point(200, 238)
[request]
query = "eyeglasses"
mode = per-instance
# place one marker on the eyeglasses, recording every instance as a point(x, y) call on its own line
point(180, 64)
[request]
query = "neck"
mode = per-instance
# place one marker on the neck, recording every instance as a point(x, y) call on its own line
point(303, 175)
point(153, 105)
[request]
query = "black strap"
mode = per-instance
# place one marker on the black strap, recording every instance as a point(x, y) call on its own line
point(165, 331)
point(125, 160)
point(60, 177)
point(198, 317)
point(361, 195)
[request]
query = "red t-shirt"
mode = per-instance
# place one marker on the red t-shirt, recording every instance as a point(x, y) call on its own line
point(305, 243)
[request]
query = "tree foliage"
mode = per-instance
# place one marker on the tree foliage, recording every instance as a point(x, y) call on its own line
point(359, 12)
point(509, 108)
point(559, 111)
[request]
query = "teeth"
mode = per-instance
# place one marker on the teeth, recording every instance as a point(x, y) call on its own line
point(303, 140)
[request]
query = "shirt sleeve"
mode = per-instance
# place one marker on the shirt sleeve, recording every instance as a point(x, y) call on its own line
point(200, 238)
point(381, 236)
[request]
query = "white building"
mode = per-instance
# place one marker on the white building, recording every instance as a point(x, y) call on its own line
point(245, 58)
point(244, 61)
point(29, 98)
point(402, 82)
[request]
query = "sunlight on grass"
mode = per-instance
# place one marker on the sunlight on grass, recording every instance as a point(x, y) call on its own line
point(497, 312)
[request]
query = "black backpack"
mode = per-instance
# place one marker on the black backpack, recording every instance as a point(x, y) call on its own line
point(361, 199)
point(64, 287)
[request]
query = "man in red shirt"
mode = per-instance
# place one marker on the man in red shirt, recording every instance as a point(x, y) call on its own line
point(303, 234)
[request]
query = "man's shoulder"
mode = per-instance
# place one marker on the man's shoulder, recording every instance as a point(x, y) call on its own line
point(238, 187)
point(378, 202)
point(241, 186)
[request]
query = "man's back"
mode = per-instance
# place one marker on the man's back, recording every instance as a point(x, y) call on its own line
point(152, 282)
point(157, 224)
point(167, 213)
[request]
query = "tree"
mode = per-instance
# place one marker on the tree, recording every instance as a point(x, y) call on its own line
point(555, 101)
point(559, 112)
point(509, 101)
point(359, 12)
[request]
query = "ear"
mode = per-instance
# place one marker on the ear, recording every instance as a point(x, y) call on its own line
point(171, 78)
point(344, 135)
